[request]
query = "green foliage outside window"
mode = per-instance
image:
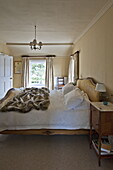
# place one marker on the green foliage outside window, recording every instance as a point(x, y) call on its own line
point(38, 73)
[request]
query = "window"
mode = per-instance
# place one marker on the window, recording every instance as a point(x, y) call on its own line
point(37, 73)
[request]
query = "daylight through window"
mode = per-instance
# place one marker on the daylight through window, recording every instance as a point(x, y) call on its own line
point(37, 73)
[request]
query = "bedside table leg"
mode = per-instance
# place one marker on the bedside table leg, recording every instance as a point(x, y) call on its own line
point(90, 137)
point(99, 162)
point(90, 127)
point(99, 156)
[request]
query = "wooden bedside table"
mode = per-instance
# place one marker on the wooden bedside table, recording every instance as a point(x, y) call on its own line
point(101, 119)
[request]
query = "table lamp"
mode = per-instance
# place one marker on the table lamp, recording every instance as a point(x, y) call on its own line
point(101, 88)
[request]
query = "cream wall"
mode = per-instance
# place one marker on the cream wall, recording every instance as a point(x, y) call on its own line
point(96, 51)
point(4, 49)
point(60, 69)
point(17, 77)
point(61, 66)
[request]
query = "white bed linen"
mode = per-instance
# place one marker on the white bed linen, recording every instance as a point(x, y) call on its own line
point(56, 117)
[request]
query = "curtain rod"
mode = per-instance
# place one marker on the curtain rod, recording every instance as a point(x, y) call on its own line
point(75, 53)
point(39, 56)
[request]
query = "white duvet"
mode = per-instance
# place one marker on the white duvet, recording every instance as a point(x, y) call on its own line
point(58, 116)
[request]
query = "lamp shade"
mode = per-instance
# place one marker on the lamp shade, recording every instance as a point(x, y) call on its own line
point(100, 87)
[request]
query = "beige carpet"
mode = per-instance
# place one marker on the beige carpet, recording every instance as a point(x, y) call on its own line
point(34, 152)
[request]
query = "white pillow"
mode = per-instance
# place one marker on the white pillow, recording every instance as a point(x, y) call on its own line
point(67, 88)
point(73, 99)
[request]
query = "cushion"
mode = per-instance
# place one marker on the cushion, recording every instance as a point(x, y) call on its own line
point(67, 88)
point(73, 99)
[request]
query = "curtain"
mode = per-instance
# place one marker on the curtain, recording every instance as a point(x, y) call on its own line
point(73, 73)
point(71, 70)
point(25, 72)
point(49, 78)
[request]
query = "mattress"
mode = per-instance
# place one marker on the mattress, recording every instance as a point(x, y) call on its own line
point(58, 116)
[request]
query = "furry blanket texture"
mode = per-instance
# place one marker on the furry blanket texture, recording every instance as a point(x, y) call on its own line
point(28, 99)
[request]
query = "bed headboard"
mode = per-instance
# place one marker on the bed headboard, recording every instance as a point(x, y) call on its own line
point(88, 86)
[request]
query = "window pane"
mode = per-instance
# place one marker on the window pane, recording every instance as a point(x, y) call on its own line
point(37, 73)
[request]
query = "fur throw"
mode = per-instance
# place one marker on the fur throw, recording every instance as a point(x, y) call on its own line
point(28, 99)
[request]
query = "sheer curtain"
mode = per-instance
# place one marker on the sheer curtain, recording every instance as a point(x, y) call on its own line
point(71, 70)
point(25, 72)
point(73, 73)
point(49, 79)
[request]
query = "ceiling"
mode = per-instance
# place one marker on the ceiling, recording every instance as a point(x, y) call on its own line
point(57, 21)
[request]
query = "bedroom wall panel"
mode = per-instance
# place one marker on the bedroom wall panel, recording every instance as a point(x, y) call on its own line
point(96, 51)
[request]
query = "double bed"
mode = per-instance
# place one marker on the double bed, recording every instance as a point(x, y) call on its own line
point(65, 114)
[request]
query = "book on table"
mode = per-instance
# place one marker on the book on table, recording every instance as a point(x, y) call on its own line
point(105, 145)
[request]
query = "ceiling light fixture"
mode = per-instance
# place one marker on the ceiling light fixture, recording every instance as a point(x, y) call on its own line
point(34, 45)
